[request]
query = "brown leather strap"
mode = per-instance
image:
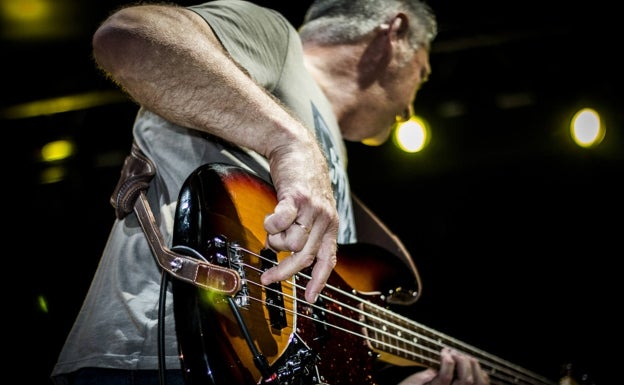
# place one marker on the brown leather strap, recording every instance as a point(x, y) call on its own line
point(129, 195)
point(136, 173)
point(205, 275)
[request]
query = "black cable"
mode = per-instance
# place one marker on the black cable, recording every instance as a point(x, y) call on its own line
point(161, 311)
point(259, 359)
point(164, 281)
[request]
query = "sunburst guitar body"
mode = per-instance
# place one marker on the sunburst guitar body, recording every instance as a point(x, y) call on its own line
point(269, 334)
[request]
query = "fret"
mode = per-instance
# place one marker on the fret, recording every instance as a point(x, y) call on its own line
point(399, 336)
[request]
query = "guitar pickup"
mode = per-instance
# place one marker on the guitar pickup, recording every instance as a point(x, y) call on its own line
point(274, 294)
point(320, 320)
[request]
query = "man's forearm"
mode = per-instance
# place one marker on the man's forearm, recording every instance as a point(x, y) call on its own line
point(176, 67)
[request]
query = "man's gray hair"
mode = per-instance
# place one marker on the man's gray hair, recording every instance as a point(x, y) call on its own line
point(347, 21)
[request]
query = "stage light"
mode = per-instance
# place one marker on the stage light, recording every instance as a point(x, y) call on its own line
point(412, 136)
point(587, 128)
point(57, 150)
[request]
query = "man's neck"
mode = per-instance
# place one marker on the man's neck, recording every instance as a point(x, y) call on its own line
point(335, 70)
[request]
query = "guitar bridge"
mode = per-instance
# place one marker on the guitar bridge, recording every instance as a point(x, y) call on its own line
point(236, 263)
point(228, 254)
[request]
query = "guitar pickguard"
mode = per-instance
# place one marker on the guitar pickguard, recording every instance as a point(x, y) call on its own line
point(297, 366)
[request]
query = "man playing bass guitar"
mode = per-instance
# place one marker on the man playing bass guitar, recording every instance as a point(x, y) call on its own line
point(231, 74)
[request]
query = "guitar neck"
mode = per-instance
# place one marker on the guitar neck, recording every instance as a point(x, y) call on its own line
point(400, 340)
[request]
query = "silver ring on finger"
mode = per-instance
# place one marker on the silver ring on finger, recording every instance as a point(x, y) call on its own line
point(304, 227)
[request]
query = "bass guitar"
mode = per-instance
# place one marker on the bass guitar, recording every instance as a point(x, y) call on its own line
point(268, 334)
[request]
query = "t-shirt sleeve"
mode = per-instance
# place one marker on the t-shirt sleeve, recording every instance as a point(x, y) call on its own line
point(257, 38)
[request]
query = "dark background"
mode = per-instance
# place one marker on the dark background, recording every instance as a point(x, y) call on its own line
point(516, 231)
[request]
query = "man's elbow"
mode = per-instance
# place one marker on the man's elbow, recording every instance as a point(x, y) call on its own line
point(116, 39)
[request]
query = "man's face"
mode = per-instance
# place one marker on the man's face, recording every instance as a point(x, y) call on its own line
point(412, 76)
point(401, 84)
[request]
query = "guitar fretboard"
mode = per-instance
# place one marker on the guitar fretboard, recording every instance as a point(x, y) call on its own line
point(399, 336)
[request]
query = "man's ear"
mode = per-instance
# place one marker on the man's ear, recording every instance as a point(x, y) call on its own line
point(376, 56)
point(380, 50)
point(399, 26)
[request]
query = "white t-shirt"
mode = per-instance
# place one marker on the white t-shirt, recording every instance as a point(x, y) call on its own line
point(117, 324)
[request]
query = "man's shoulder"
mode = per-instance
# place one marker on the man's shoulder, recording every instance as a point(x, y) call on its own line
point(238, 9)
point(243, 20)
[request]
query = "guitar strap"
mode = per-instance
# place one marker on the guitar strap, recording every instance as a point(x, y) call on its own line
point(130, 195)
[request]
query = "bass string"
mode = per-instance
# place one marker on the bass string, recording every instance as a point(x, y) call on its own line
point(328, 310)
point(419, 343)
point(421, 353)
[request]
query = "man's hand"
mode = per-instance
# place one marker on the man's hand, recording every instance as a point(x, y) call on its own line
point(455, 368)
point(305, 220)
